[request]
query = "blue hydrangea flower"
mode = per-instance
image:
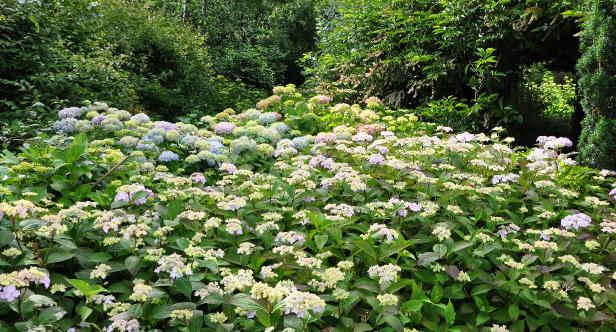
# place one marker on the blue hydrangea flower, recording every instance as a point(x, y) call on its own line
point(167, 156)
point(267, 118)
point(65, 126)
point(216, 147)
point(140, 118)
point(301, 143)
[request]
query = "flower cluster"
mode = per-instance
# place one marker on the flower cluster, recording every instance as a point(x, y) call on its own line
point(301, 214)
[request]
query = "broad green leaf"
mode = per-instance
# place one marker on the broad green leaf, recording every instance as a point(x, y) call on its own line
point(411, 306)
point(245, 301)
point(184, 286)
point(513, 311)
point(59, 256)
point(76, 148)
point(427, 258)
point(133, 264)
point(320, 241)
point(51, 315)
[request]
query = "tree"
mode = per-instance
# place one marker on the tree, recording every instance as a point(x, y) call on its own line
point(186, 11)
point(597, 70)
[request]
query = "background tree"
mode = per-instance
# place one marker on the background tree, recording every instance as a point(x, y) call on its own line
point(597, 69)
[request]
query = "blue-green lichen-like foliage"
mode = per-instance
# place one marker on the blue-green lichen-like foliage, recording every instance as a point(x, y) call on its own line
point(597, 69)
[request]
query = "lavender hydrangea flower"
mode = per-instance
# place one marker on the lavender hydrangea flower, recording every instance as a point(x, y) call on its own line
point(198, 178)
point(552, 142)
point(69, 112)
point(45, 281)
point(126, 192)
point(576, 221)
point(97, 120)
point(505, 178)
point(9, 293)
point(167, 156)
point(376, 159)
point(224, 128)
point(613, 194)
point(166, 126)
point(465, 137)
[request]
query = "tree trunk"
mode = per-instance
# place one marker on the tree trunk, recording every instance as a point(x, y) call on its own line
point(185, 11)
point(204, 15)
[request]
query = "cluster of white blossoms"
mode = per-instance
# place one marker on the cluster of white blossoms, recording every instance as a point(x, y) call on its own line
point(256, 220)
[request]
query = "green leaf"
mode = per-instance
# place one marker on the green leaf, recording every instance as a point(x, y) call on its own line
point(437, 293)
point(9, 157)
point(161, 312)
point(450, 314)
point(59, 256)
point(50, 315)
point(367, 248)
point(6, 237)
point(362, 327)
point(440, 250)
point(513, 311)
point(174, 208)
point(85, 288)
point(41, 300)
point(245, 301)
point(411, 306)
point(133, 264)
point(184, 286)
point(100, 257)
point(77, 148)
point(426, 258)
point(394, 322)
point(84, 312)
point(320, 241)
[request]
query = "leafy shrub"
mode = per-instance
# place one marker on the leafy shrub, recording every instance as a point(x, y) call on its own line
point(244, 222)
point(411, 53)
point(598, 82)
point(258, 42)
point(66, 53)
point(556, 98)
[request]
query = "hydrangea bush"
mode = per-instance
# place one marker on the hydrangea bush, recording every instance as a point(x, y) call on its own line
point(300, 215)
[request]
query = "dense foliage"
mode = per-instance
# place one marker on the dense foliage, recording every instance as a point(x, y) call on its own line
point(452, 60)
point(59, 53)
point(258, 41)
point(597, 69)
point(304, 216)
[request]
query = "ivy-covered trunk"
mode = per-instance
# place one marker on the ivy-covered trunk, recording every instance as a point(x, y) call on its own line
point(597, 69)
